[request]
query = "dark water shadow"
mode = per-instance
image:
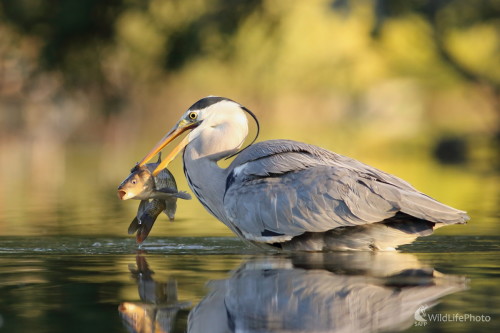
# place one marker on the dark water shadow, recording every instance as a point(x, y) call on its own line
point(308, 292)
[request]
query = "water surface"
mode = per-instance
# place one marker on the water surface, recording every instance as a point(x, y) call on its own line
point(68, 265)
point(217, 284)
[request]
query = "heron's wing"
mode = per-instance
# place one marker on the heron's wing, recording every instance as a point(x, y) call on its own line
point(281, 189)
point(309, 155)
point(320, 198)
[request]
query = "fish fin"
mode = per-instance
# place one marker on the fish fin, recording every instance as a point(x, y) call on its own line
point(162, 195)
point(170, 213)
point(159, 158)
point(135, 168)
point(168, 193)
point(132, 228)
point(183, 195)
point(168, 190)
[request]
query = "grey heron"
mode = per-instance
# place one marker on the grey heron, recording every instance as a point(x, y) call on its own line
point(292, 195)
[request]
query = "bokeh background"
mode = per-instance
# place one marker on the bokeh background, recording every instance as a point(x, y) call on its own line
point(88, 87)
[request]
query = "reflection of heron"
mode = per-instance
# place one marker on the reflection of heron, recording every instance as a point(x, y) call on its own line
point(294, 195)
point(380, 292)
point(159, 306)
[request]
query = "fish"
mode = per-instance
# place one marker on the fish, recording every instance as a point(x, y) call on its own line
point(142, 185)
point(157, 194)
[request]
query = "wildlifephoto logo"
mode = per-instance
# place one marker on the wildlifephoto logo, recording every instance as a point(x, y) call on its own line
point(420, 315)
point(422, 318)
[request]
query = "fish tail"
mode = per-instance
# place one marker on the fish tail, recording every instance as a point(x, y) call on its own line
point(145, 227)
point(132, 228)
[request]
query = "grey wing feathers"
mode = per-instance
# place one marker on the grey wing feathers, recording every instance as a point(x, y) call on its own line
point(272, 153)
point(315, 200)
point(417, 204)
point(280, 189)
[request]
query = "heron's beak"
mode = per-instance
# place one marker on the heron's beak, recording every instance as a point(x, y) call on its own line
point(178, 129)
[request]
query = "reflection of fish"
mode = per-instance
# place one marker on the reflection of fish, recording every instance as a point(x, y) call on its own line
point(158, 310)
point(162, 190)
point(322, 293)
point(141, 318)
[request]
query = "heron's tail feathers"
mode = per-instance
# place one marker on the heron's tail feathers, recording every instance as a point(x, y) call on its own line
point(424, 207)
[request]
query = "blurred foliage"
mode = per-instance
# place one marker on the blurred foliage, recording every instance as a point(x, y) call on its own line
point(86, 86)
point(77, 35)
point(109, 49)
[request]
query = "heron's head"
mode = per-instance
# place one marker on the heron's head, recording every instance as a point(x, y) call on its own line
point(210, 121)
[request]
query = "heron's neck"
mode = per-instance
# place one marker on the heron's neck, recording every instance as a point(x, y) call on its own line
point(209, 144)
point(206, 179)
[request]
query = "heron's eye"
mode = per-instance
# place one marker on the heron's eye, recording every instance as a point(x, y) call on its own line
point(193, 115)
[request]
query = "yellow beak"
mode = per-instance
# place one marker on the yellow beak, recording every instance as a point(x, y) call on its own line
point(180, 128)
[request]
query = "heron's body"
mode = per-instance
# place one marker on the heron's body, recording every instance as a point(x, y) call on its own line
point(294, 195)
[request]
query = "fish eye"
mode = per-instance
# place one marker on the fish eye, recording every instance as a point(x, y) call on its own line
point(193, 115)
point(134, 181)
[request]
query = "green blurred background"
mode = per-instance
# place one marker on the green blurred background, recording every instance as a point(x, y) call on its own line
point(88, 87)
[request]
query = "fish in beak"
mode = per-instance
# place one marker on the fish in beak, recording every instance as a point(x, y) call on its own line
point(157, 194)
point(178, 129)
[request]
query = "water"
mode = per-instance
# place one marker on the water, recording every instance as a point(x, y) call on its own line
point(68, 265)
point(217, 284)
